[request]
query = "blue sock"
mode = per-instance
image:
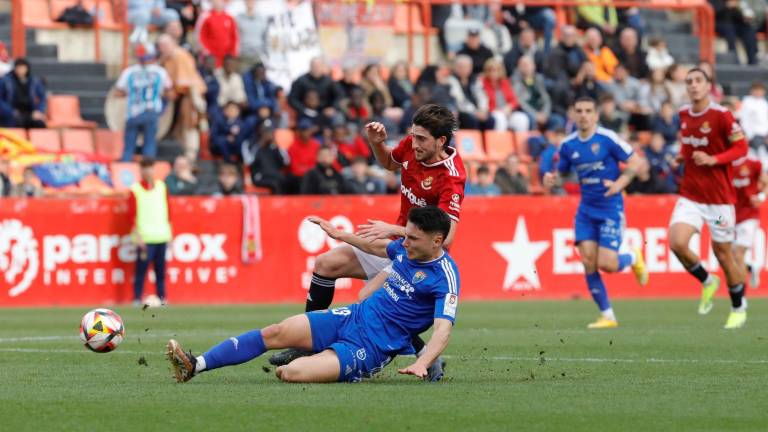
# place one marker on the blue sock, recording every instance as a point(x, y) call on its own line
point(235, 350)
point(625, 260)
point(597, 289)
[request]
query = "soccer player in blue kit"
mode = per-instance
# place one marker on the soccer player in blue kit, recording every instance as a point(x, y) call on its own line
point(595, 154)
point(355, 342)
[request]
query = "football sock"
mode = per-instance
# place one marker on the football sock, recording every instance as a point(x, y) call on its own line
point(418, 345)
point(699, 273)
point(608, 314)
point(626, 260)
point(737, 296)
point(597, 289)
point(199, 364)
point(320, 293)
point(235, 350)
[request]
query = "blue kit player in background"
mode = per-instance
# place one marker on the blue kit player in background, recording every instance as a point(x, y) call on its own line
point(355, 342)
point(595, 154)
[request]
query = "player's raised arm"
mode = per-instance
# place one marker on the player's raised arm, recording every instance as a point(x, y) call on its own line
point(377, 136)
point(375, 247)
point(436, 345)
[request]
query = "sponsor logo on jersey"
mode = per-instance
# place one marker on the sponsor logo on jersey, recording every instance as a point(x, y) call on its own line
point(736, 133)
point(415, 200)
point(426, 184)
point(595, 148)
point(744, 171)
point(361, 354)
point(405, 165)
point(694, 141)
point(418, 277)
point(575, 155)
point(705, 129)
point(684, 125)
point(449, 307)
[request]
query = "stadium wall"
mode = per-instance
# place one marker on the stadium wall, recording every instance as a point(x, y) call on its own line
point(78, 252)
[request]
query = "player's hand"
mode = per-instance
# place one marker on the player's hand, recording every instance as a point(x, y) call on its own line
point(377, 133)
point(613, 187)
point(375, 230)
point(329, 229)
point(755, 201)
point(415, 369)
point(549, 180)
point(703, 159)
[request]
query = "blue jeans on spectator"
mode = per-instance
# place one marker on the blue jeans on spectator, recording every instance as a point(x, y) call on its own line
point(156, 255)
point(731, 31)
point(544, 21)
point(146, 124)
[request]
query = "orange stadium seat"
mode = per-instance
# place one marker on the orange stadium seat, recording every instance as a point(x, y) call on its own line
point(64, 111)
point(521, 145)
point(37, 13)
point(499, 144)
point(109, 144)
point(384, 71)
point(46, 140)
point(469, 143)
point(22, 133)
point(284, 138)
point(417, 23)
point(77, 141)
point(124, 174)
point(413, 73)
point(93, 184)
point(162, 169)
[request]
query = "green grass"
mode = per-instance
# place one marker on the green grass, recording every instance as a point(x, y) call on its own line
point(511, 366)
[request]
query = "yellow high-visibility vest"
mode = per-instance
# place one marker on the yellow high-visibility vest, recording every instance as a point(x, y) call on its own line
point(152, 221)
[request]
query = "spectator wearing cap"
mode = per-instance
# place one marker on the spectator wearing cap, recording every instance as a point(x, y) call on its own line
point(461, 84)
point(229, 132)
point(23, 99)
point(143, 13)
point(267, 161)
point(252, 28)
point(217, 33)
point(474, 48)
point(323, 178)
point(144, 85)
point(601, 56)
point(317, 79)
point(360, 181)
point(181, 181)
point(302, 154)
point(261, 93)
point(231, 87)
point(29, 186)
point(149, 211)
point(629, 53)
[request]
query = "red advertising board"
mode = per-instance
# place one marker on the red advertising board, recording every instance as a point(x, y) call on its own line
point(74, 252)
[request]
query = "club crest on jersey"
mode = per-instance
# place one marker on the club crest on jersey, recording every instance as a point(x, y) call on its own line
point(455, 198)
point(744, 171)
point(595, 148)
point(705, 129)
point(426, 184)
point(418, 277)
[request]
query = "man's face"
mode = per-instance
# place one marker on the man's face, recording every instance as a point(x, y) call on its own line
point(230, 65)
point(620, 74)
point(148, 173)
point(419, 245)
point(181, 165)
point(463, 68)
point(484, 179)
point(526, 67)
point(594, 39)
point(21, 70)
point(316, 68)
point(325, 157)
point(425, 146)
point(473, 41)
point(228, 178)
point(569, 36)
point(527, 38)
point(512, 164)
point(628, 39)
point(697, 85)
point(586, 115)
point(359, 168)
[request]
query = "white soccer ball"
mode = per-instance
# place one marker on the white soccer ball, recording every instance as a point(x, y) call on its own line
point(101, 330)
point(152, 301)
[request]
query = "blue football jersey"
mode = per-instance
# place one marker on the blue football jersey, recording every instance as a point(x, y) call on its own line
point(414, 294)
point(595, 159)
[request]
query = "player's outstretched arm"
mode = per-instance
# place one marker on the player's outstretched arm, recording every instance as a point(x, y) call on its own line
point(377, 135)
point(436, 345)
point(373, 247)
point(376, 229)
point(634, 165)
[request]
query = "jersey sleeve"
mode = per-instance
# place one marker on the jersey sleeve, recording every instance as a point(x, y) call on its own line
point(452, 196)
point(735, 140)
point(394, 248)
point(564, 164)
point(447, 293)
point(400, 153)
point(620, 149)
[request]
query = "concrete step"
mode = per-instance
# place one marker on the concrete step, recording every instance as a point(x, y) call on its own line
point(727, 58)
point(741, 73)
point(71, 84)
point(43, 52)
point(91, 100)
point(664, 27)
point(168, 149)
point(55, 68)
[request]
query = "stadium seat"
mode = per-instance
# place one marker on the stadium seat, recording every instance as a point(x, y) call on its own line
point(417, 23)
point(162, 169)
point(77, 141)
point(469, 143)
point(93, 184)
point(284, 138)
point(413, 73)
point(205, 147)
point(64, 112)
point(21, 133)
point(521, 145)
point(46, 140)
point(498, 144)
point(384, 71)
point(37, 14)
point(250, 188)
point(106, 13)
point(124, 174)
point(109, 144)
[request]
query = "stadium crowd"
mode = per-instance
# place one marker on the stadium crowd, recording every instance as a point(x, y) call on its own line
point(507, 74)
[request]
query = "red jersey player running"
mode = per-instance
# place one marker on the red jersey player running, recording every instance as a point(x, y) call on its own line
point(750, 182)
point(710, 140)
point(432, 174)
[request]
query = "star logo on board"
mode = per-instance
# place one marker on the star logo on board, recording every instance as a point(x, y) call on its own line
point(521, 255)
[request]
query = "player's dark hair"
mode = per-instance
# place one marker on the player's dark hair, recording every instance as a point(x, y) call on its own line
point(431, 220)
point(586, 99)
point(147, 162)
point(700, 70)
point(437, 119)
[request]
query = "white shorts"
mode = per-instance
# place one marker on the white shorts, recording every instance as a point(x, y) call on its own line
point(746, 232)
point(720, 218)
point(372, 264)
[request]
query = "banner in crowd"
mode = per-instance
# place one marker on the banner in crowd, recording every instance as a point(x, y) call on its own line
point(78, 252)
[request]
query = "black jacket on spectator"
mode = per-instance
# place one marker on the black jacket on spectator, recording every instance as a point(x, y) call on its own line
point(329, 92)
point(227, 136)
point(368, 186)
point(635, 63)
point(401, 97)
point(479, 56)
point(177, 186)
point(323, 181)
point(513, 56)
point(510, 184)
point(563, 62)
point(267, 167)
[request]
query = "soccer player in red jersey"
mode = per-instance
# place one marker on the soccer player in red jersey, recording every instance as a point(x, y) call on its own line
point(710, 140)
point(750, 182)
point(432, 173)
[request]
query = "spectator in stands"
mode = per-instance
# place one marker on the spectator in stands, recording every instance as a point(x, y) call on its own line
point(360, 181)
point(678, 94)
point(400, 85)
point(532, 93)
point(495, 95)
point(267, 160)
point(603, 18)
point(144, 84)
point(646, 181)
point(378, 106)
point(422, 95)
point(302, 154)
point(252, 29)
point(372, 82)
point(182, 181)
point(217, 33)
point(474, 48)
point(483, 185)
point(231, 87)
point(538, 144)
point(5, 180)
point(586, 83)
point(658, 56)
point(561, 66)
point(208, 72)
point(658, 90)
point(753, 116)
point(632, 97)
point(661, 159)
point(630, 54)
point(461, 84)
point(29, 186)
point(261, 93)
point(599, 55)
point(525, 46)
point(229, 132)
point(143, 13)
point(349, 80)
point(323, 179)
point(189, 90)
point(717, 92)
point(349, 144)
point(519, 17)
point(229, 181)
point(356, 108)
point(610, 117)
point(508, 178)
point(312, 112)
point(667, 123)
point(732, 24)
point(23, 98)
point(436, 77)
point(188, 11)
point(150, 214)
point(316, 79)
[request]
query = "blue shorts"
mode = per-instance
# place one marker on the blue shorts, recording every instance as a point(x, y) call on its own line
point(338, 330)
point(607, 229)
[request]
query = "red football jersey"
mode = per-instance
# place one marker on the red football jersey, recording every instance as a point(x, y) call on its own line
point(439, 184)
point(713, 131)
point(746, 179)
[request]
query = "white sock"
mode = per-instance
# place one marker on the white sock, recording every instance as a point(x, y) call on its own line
point(709, 279)
point(200, 364)
point(743, 307)
point(608, 314)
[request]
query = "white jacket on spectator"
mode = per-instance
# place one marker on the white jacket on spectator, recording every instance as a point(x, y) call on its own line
point(753, 116)
point(658, 58)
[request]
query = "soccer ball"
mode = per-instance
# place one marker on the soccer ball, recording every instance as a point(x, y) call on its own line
point(101, 330)
point(152, 301)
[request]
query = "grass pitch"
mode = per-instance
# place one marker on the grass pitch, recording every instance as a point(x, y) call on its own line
point(511, 366)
